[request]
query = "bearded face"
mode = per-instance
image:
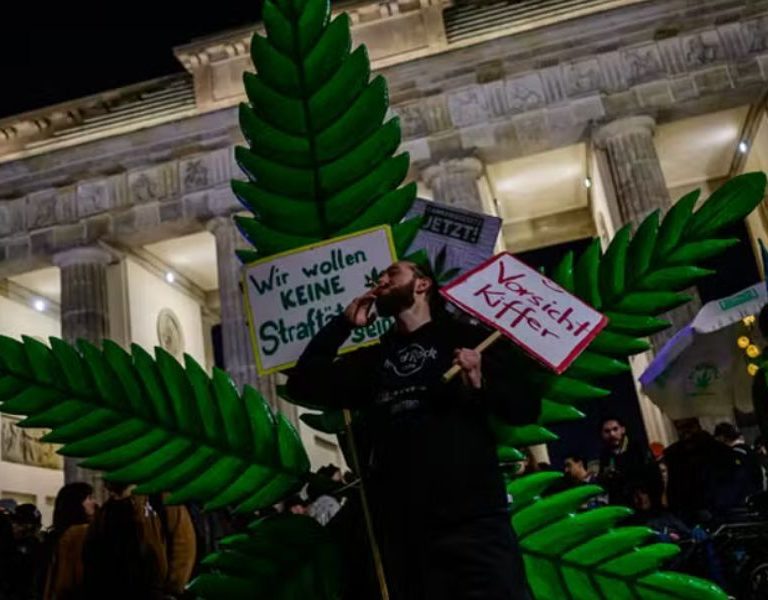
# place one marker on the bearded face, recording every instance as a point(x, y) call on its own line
point(394, 299)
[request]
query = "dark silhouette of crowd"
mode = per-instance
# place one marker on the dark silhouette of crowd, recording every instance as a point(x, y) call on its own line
point(136, 546)
point(132, 546)
point(699, 478)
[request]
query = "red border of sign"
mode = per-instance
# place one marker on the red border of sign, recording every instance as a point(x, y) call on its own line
point(566, 362)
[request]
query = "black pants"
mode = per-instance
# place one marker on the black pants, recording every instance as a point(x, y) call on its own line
point(473, 559)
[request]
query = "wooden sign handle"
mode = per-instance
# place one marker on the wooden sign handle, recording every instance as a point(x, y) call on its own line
point(456, 369)
point(377, 562)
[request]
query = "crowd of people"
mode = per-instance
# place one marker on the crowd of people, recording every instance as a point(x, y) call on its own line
point(139, 547)
point(701, 477)
point(130, 547)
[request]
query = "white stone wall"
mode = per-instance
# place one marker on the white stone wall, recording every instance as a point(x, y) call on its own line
point(321, 447)
point(757, 160)
point(147, 296)
point(43, 484)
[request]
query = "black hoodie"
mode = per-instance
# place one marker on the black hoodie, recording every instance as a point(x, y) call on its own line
point(430, 449)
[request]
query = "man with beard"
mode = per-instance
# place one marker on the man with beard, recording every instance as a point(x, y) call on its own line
point(625, 463)
point(431, 472)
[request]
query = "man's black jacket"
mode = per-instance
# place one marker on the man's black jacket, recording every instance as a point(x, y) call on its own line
point(430, 447)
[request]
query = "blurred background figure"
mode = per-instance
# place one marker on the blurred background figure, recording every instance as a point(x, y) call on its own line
point(74, 508)
point(624, 463)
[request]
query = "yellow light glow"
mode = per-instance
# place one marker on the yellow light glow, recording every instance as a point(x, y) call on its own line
point(752, 369)
point(749, 321)
point(743, 341)
point(753, 351)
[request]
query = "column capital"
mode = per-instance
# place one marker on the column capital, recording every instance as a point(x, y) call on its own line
point(469, 166)
point(622, 127)
point(220, 222)
point(82, 255)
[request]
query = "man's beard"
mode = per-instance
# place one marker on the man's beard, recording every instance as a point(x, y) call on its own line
point(396, 300)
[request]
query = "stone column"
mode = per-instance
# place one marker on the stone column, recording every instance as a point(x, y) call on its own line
point(455, 182)
point(236, 342)
point(84, 315)
point(635, 168)
point(640, 189)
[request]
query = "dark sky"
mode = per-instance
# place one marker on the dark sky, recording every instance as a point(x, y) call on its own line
point(89, 48)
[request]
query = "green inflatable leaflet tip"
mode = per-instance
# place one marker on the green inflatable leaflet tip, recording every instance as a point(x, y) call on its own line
point(321, 159)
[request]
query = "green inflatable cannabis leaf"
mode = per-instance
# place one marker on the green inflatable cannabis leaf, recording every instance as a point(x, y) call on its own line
point(583, 555)
point(634, 281)
point(320, 161)
point(152, 422)
point(284, 557)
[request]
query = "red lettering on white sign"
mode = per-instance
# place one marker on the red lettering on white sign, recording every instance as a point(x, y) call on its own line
point(548, 322)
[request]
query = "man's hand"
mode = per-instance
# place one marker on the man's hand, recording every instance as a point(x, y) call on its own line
point(358, 313)
point(470, 362)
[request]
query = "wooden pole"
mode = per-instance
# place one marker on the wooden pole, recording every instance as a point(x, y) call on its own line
point(456, 369)
point(377, 562)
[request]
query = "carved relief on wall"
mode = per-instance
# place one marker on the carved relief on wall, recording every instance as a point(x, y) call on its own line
point(195, 174)
point(92, 198)
point(144, 188)
point(757, 34)
point(700, 51)
point(525, 93)
point(412, 121)
point(23, 446)
point(583, 76)
point(41, 209)
point(170, 334)
point(467, 106)
point(11, 216)
point(644, 63)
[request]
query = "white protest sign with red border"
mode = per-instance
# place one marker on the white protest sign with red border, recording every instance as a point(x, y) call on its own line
point(551, 324)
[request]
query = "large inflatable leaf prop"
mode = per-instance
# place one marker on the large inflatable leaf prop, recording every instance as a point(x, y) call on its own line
point(320, 158)
point(637, 279)
point(152, 422)
point(281, 558)
point(581, 555)
point(578, 554)
point(321, 162)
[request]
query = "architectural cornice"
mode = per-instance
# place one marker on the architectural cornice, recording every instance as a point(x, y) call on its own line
point(395, 31)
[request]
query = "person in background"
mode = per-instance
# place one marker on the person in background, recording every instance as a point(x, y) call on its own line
point(761, 450)
point(323, 504)
point(74, 508)
point(575, 469)
point(295, 505)
point(650, 512)
point(577, 473)
point(121, 559)
point(624, 462)
point(168, 530)
point(697, 465)
point(7, 506)
point(28, 552)
point(745, 473)
point(7, 550)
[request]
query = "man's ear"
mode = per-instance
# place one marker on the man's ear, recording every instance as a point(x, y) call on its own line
point(423, 284)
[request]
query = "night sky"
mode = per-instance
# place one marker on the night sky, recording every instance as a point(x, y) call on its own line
point(48, 58)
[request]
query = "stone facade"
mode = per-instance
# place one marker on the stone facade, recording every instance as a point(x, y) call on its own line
point(153, 161)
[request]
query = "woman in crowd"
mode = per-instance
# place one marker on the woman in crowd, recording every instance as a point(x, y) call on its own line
point(73, 510)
